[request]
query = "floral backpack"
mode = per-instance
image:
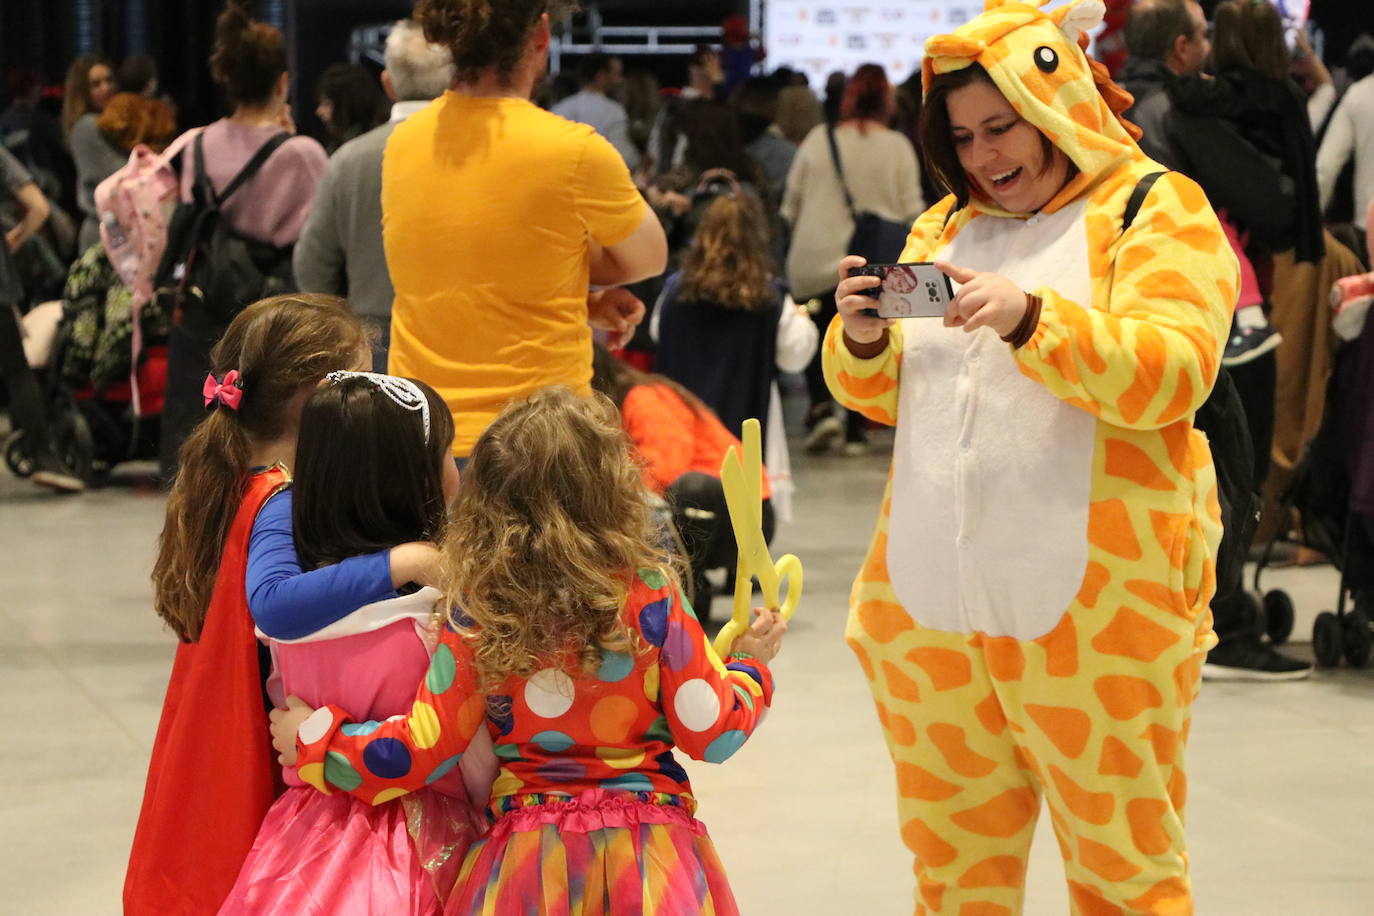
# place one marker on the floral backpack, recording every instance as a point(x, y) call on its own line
point(133, 206)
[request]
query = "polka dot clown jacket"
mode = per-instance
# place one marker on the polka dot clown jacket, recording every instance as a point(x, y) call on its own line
point(555, 733)
point(1025, 479)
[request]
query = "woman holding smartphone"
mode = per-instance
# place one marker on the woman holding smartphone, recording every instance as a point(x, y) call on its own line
point(1033, 612)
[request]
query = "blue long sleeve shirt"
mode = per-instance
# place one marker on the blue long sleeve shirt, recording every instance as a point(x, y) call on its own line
point(287, 603)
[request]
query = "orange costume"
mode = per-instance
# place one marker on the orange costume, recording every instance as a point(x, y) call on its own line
point(1033, 612)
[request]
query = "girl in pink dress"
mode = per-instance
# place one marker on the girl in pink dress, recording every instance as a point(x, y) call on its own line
point(372, 470)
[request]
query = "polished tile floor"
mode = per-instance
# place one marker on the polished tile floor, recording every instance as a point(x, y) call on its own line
point(1281, 812)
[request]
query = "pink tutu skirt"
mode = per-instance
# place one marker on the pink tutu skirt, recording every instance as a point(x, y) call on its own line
point(333, 855)
point(602, 853)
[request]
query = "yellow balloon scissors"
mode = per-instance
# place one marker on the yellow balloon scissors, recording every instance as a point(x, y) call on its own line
point(742, 479)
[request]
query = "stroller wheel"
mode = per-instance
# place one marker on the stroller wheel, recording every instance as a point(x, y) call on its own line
point(1358, 638)
point(73, 441)
point(17, 457)
point(1278, 616)
point(1327, 641)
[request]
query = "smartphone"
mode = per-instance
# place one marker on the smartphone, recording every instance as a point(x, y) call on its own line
point(915, 290)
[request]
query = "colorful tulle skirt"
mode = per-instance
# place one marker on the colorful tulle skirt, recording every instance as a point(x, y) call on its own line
point(333, 855)
point(601, 853)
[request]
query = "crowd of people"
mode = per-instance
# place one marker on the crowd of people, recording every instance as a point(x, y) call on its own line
point(492, 339)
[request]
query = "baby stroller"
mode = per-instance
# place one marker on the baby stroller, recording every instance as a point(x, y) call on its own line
point(102, 365)
point(1333, 491)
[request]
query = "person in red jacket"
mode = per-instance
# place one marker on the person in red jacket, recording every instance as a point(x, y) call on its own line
point(682, 444)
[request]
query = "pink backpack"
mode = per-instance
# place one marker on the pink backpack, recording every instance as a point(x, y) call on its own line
point(133, 206)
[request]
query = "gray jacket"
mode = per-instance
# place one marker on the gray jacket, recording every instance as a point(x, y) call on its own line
point(340, 248)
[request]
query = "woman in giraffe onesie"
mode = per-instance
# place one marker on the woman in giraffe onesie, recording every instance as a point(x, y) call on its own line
point(1033, 611)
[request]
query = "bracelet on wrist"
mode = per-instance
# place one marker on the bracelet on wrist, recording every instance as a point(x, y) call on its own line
point(743, 656)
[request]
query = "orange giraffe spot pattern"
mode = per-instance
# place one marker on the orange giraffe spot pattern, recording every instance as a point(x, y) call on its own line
point(952, 744)
point(1126, 696)
point(918, 782)
point(1105, 862)
point(1118, 760)
point(1109, 529)
point(1004, 815)
point(1146, 817)
point(1093, 807)
point(1088, 901)
point(1061, 646)
point(884, 620)
point(899, 685)
point(1131, 462)
point(1006, 661)
point(989, 713)
point(1133, 635)
point(995, 871)
point(1067, 728)
point(1172, 895)
point(946, 668)
point(927, 845)
point(983, 908)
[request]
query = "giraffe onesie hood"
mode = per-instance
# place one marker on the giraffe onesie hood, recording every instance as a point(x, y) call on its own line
point(1033, 612)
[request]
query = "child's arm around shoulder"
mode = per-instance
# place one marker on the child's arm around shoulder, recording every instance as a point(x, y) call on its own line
point(378, 761)
point(712, 706)
point(288, 603)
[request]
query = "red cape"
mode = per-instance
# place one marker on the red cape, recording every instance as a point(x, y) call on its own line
point(213, 773)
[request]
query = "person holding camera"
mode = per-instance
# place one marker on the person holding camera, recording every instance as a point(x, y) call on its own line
point(1033, 611)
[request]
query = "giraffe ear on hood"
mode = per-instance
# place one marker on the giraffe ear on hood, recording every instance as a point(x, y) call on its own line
point(1079, 18)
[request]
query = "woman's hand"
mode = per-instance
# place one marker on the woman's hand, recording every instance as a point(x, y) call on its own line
point(285, 723)
point(861, 328)
point(418, 562)
point(763, 639)
point(984, 300)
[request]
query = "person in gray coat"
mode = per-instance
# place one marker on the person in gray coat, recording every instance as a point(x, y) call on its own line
point(340, 249)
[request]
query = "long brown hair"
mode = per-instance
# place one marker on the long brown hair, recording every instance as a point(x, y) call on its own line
point(76, 95)
point(1249, 36)
point(727, 263)
point(551, 522)
point(279, 346)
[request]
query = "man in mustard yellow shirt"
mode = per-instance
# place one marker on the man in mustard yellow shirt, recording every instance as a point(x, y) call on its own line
point(497, 217)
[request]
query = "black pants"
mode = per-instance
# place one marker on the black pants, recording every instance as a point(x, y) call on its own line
point(702, 520)
point(1234, 616)
point(27, 410)
point(854, 423)
point(188, 362)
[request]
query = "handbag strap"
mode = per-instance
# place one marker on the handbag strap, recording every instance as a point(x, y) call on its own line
point(839, 170)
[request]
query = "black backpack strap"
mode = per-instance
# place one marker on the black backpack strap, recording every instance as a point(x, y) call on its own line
point(204, 190)
point(839, 170)
point(248, 171)
point(1138, 199)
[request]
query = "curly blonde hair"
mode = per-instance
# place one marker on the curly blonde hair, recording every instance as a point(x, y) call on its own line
point(550, 524)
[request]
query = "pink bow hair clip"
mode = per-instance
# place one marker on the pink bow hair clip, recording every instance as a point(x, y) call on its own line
point(228, 392)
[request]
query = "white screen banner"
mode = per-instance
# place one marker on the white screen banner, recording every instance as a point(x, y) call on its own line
point(818, 37)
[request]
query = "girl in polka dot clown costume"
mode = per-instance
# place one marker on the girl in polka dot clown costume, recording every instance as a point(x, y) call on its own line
point(372, 469)
point(575, 651)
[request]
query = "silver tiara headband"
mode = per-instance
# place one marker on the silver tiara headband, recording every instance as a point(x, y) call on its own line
point(402, 391)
